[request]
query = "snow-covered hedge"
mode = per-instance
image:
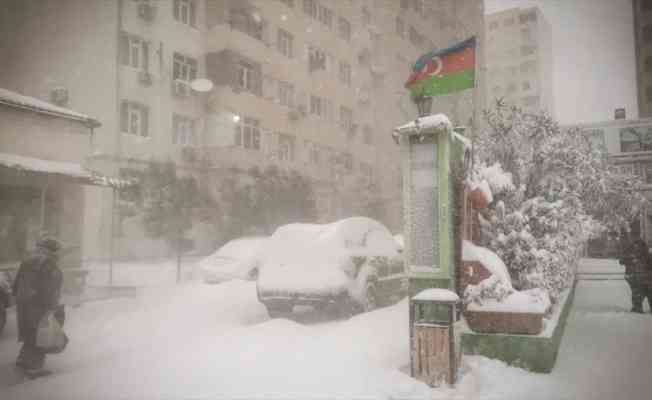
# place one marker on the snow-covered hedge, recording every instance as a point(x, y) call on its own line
point(552, 190)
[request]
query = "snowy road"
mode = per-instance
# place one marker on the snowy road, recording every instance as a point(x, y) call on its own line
point(216, 342)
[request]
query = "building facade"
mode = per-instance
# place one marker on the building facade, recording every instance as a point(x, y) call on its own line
point(643, 47)
point(519, 59)
point(305, 85)
point(628, 144)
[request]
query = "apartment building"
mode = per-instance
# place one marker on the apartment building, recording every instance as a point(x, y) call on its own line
point(628, 143)
point(643, 46)
point(306, 85)
point(519, 59)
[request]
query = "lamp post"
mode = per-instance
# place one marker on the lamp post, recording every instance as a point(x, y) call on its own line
point(424, 104)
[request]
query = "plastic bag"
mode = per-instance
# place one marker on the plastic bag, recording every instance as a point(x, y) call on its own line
point(49, 336)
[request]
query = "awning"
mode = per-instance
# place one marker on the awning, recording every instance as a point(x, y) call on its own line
point(63, 169)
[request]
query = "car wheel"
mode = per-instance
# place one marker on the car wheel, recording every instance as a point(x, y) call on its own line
point(3, 317)
point(278, 309)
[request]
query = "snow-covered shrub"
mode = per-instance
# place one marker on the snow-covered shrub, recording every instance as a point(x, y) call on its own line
point(552, 192)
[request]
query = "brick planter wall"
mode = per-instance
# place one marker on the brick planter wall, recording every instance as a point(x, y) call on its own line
point(501, 322)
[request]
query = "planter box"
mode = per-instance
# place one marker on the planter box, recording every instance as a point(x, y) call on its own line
point(501, 322)
point(534, 353)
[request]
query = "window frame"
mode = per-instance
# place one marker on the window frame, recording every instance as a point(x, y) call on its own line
point(189, 7)
point(130, 43)
point(247, 134)
point(184, 68)
point(134, 113)
point(183, 131)
point(285, 43)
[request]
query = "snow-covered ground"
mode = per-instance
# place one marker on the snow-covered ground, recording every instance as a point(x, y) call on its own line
point(197, 341)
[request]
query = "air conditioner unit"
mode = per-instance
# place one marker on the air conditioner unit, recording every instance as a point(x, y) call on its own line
point(59, 96)
point(146, 11)
point(145, 78)
point(180, 89)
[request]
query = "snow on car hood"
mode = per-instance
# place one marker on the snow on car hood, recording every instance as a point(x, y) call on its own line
point(316, 258)
point(320, 279)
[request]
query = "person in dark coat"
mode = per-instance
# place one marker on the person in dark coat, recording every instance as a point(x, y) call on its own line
point(37, 288)
point(638, 261)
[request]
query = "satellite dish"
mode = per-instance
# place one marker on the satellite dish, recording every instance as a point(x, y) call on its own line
point(201, 85)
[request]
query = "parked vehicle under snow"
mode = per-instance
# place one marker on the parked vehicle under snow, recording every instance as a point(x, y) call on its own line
point(237, 259)
point(353, 263)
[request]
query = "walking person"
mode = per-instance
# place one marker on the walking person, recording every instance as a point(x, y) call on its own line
point(638, 261)
point(37, 289)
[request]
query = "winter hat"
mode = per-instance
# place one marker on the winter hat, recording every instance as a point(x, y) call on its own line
point(49, 243)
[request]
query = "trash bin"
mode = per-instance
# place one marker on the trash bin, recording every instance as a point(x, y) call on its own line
point(435, 353)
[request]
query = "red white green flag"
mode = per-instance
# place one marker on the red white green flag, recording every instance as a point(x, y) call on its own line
point(444, 71)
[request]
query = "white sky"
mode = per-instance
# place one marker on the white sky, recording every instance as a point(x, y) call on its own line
point(593, 50)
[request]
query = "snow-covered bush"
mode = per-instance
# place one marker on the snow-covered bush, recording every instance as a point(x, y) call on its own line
point(552, 191)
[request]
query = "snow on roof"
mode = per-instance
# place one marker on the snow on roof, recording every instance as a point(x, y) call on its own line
point(72, 170)
point(429, 122)
point(19, 100)
point(436, 294)
point(488, 259)
point(527, 301)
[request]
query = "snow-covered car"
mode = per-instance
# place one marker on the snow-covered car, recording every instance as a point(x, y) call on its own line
point(353, 263)
point(237, 259)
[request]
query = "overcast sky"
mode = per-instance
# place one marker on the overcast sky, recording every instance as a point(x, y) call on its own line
point(593, 51)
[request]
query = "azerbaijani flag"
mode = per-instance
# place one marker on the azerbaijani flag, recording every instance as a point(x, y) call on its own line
point(445, 71)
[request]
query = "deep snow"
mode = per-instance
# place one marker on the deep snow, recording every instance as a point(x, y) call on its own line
point(197, 341)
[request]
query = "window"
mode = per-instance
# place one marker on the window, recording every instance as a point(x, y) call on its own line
point(285, 43)
point(493, 25)
point(134, 118)
point(636, 139)
point(528, 50)
point(314, 154)
point(526, 85)
point(286, 94)
point(247, 133)
point(185, 11)
point(249, 77)
point(347, 161)
point(320, 106)
point(511, 88)
point(368, 135)
point(366, 15)
point(345, 73)
point(184, 68)
point(523, 18)
point(325, 16)
point(244, 21)
point(346, 119)
point(647, 34)
point(646, 5)
point(418, 6)
point(400, 27)
point(183, 131)
point(648, 64)
point(286, 147)
point(415, 37)
point(345, 29)
point(526, 34)
point(316, 59)
point(405, 4)
point(134, 51)
point(648, 94)
point(289, 3)
point(310, 8)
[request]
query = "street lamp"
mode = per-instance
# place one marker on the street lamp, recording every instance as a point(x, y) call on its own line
point(424, 104)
